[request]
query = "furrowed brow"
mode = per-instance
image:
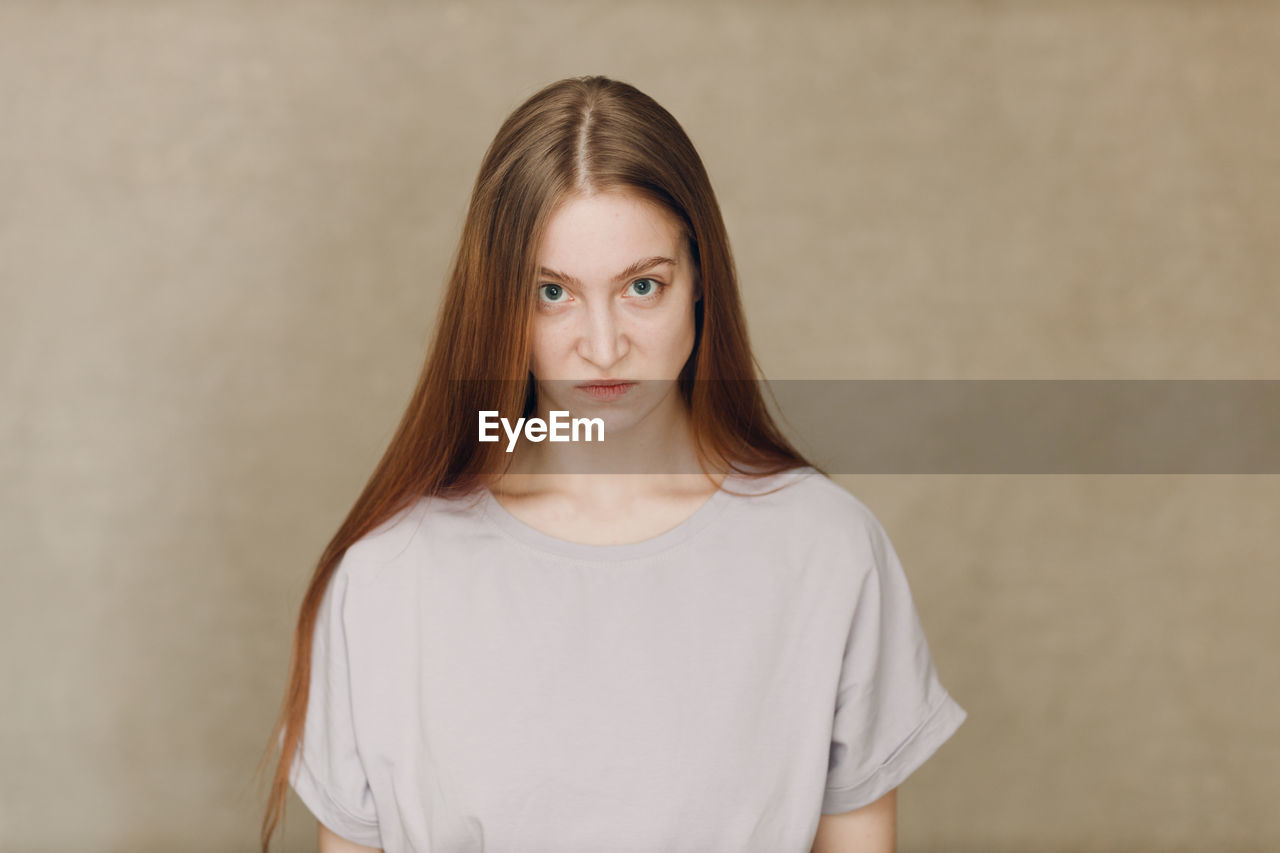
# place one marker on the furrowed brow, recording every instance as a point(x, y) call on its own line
point(638, 267)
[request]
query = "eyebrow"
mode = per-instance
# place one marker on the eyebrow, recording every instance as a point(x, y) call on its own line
point(639, 266)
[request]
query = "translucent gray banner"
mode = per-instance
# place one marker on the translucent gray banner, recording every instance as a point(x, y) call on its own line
point(992, 426)
point(982, 426)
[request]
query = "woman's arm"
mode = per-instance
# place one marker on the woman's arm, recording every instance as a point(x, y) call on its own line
point(329, 842)
point(870, 829)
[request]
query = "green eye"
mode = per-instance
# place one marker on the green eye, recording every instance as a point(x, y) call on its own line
point(644, 287)
point(551, 292)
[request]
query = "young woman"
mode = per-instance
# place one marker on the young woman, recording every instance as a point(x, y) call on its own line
point(675, 636)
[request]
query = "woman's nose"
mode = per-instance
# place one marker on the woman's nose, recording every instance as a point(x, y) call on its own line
point(602, 342)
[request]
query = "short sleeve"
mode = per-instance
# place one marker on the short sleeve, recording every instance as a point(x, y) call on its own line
point(327, 771)
point(892, 713)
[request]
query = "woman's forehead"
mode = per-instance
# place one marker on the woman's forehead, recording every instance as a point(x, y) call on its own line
point(595, 232)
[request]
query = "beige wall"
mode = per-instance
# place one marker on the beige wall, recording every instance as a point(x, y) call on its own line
point(223, 232)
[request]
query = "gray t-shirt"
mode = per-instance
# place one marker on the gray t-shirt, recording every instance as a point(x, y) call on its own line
point(478, 685)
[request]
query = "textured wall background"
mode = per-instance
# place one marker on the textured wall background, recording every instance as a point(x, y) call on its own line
point(223, 233)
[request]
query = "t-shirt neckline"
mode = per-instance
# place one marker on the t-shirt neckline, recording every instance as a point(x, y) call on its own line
point(695, 521)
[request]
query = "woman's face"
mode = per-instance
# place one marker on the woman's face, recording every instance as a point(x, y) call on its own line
point(615, 303)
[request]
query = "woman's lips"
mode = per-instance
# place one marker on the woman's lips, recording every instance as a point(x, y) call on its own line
point(606, 391)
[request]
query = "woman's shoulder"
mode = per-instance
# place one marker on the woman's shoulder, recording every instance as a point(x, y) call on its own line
point(399, 535)
point(805, 505)
point(805, 491)
point(811, 515)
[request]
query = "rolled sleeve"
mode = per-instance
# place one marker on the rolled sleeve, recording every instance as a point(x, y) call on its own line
point(327, 773)
point(892, 712)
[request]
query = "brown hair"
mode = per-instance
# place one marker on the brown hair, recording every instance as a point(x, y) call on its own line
point(578, 135)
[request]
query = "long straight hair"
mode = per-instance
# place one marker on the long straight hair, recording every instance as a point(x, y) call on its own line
point(577, 136)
